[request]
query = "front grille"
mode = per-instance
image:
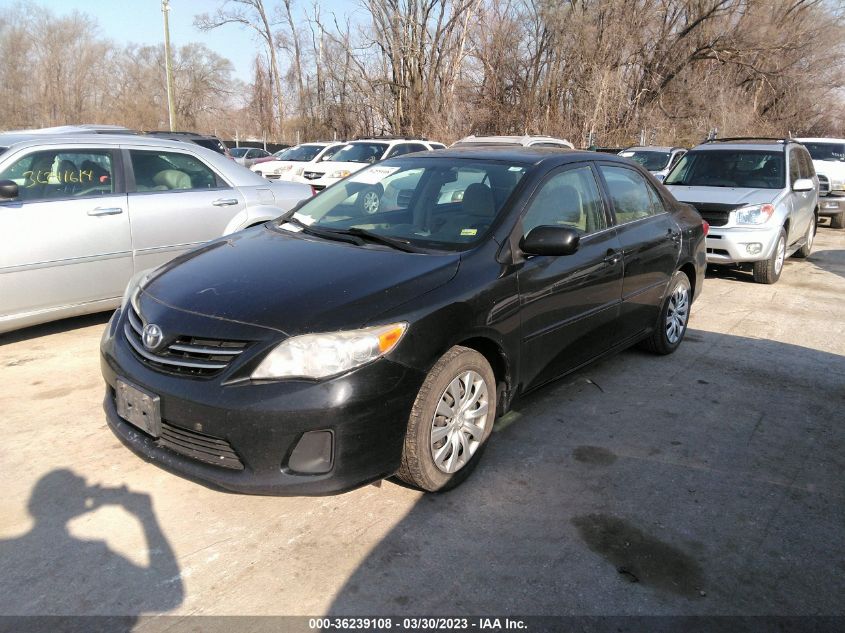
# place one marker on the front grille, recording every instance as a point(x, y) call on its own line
point(715, 213)
point(199, 446)
point(186, 355)
point(824, 185)
point(312, 175)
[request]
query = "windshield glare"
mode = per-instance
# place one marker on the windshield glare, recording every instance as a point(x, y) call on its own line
point(826, 151)
point(747, 169)
point(652, 160)
point(360, 153)
point(446, 204)
point(303, 153)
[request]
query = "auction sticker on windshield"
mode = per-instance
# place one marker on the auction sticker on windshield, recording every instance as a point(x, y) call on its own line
point(373, 175)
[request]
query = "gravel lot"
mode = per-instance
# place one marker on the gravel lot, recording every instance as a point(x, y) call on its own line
point(708, 482)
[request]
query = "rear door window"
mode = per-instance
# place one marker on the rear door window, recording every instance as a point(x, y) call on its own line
point(60, 173)
point(171, 171)
point(632, 196)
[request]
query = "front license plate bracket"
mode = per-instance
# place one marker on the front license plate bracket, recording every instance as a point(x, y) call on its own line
point(140, 408)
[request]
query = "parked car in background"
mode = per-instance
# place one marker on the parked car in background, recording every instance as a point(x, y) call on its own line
point(203, 140)
point(274, 156)
point(828, 156)
point(79, 215)
point(247, 156)
point(296, 160)
point(658, 160)
point(356, 155)
point(760, 197)
point(413, 328)
point(524, 141)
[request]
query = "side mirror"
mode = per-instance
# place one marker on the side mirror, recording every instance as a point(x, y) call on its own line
point(8, 189)
point(550, 240)
point(803, 184)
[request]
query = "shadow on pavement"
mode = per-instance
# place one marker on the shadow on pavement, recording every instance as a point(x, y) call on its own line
point(704, 483)
point(47, 571)
point(831, 260)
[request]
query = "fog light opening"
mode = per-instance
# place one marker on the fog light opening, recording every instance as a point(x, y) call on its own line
point(313, 454)
point(754, 248)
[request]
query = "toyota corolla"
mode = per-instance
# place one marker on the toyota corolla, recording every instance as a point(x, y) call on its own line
point(346, 342)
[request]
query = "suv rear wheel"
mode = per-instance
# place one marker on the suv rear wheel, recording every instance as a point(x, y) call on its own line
point(768, 270)
point(805, 250)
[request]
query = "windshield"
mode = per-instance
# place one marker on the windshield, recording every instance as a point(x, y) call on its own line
point(748, 169)
point(303, 153)
point(443, 204)
point(360, 153)
point(238, 152)
point(652, 160)
point(826, 151)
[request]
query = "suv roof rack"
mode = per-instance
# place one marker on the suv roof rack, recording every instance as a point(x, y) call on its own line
point(729, 139)
point(175, 133)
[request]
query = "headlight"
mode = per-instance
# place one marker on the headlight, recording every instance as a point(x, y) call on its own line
point(137, 282)
point(340, 173)
point(837, 185)
point(757, 214)
point(323, 355)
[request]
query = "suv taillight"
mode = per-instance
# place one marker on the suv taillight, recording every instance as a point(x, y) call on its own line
point(706, 226)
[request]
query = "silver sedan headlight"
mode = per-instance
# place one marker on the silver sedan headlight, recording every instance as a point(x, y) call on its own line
point(323, 355)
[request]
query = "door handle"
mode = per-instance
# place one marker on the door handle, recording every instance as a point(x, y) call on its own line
point(105, 211)
point(225, 202)
point(612, 257)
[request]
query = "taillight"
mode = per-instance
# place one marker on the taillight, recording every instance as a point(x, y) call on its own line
point(706, 226)
point(313, 191)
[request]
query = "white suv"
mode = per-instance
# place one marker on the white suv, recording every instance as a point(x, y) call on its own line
point(291, 164)
point(358, 154)
point(828, 156)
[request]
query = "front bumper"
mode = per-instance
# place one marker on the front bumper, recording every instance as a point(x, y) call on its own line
point(731, 245)
point(366, 412)
point(831, 205)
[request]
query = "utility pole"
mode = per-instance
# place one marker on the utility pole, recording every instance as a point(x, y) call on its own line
point(165, 8)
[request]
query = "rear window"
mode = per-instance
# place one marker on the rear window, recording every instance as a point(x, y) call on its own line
point(746, 169)
point(652, 160)
point(210, 143)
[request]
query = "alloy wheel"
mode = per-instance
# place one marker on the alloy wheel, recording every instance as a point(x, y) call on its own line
point(780, 256)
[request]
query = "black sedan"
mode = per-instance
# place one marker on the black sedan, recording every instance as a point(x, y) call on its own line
point(381, 327)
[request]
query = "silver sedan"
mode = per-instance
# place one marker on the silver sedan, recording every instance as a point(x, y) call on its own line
point(81, 214)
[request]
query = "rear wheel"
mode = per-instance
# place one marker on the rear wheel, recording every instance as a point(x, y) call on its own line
point(673, 319)
point(450, 422)
point(838, 221)
point(768, 270)
point(805, 250)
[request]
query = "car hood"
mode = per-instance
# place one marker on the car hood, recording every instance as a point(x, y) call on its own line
point(296, 284)
point(835, 170)
point(735, 196)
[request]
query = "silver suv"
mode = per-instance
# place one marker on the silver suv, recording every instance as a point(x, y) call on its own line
point(81, 214)
point(760, 197)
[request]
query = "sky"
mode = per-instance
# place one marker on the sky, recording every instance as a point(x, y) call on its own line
point(140, 22)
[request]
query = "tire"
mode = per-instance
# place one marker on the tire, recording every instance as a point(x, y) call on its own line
point(768, 270)
point(805, 250)
point(838, 221)
point(369, 199)
point(445, 384)
point(673, 319)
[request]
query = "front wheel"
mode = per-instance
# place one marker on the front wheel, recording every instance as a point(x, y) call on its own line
point(450, 422)
point(768, 270)
point(838, 221)
point(673, 319)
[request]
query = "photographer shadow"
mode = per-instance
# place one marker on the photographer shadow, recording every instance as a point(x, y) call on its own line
point(48, 572)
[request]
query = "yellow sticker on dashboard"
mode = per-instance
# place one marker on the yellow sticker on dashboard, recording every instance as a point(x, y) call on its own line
point(469, 231)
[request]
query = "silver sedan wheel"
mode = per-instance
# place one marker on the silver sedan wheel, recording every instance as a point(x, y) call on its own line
point(371, 202)
point(781, 255)
point(677, 314)
point(459, 423)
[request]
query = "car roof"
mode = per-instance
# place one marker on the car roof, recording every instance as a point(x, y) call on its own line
point(521, 140)
point(652, 148)
point(820, 140)
point(517, 153)
point(762, 145)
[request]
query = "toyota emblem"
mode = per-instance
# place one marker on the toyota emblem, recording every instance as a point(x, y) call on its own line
point(152, 336)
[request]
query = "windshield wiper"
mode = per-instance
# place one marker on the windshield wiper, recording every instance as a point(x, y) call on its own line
point(393, 242)
point(327, 234)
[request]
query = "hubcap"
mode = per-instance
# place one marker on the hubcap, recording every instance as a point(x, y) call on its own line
point(459, 422)
point(676, 315)
point(371, 202)
point(811, 234)
point(781, 255)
